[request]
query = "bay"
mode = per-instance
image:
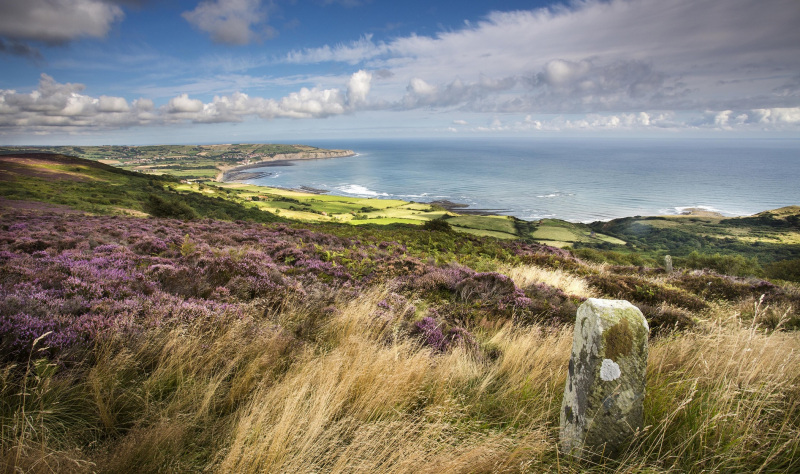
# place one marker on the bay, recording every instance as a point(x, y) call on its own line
point(579, 180)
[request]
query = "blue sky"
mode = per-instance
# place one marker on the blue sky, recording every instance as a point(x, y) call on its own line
point(218, 71)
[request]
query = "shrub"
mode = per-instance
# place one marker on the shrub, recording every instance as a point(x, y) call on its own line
point(663, 319)
point(437, 225)
point(788, 270)
point(736, 265)
point(613, 257)
point(715, 287)
point(640, 290)
point(437, 336)
point(170, 208)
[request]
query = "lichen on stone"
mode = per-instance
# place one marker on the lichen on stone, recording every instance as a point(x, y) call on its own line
point(619, 340)
point(609, 370)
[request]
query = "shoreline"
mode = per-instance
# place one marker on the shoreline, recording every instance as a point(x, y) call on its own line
point(233, 173)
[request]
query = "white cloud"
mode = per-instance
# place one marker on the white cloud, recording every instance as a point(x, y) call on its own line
point(54, 104)
point(229, 21)
point(352, 53)
point(419, 93)
point(777, 116)
point(358, 88)
point(183, 104)
point(144, 105)
point(112, 104)
point(57, 20)
point(63, 105)
point(594, 56)
point(558, 72)
point(311, 103)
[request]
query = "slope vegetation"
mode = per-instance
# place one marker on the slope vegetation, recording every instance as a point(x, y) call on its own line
point(216, 343)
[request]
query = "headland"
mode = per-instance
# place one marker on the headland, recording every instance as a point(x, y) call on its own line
point(239, 173)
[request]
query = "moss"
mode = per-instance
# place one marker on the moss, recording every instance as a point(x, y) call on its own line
point(619, 340)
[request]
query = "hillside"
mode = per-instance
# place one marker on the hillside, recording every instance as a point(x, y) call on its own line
point(203, 341)
point(93, 186)
point(99, 188)
point(202, 162)
point(766, 244)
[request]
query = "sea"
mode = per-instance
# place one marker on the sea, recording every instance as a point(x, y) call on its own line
point(578, 180)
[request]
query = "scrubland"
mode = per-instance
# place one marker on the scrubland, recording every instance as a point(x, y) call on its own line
point(160, 345)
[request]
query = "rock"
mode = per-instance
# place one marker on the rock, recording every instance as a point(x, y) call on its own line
point(604, 393)
point(668, 264)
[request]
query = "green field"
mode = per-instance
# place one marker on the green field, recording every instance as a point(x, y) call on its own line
point(91, 186)
point(99, 188)
point(201, 162)
point(198, 166)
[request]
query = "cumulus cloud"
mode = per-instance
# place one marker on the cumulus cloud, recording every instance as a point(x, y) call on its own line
point(753, 120)
point(54, 104)
point(230, 21)
point(777, 116)
point(57, 21)
point(358, 88)
point(183, 104)
point(112, 104)
point(65, 105)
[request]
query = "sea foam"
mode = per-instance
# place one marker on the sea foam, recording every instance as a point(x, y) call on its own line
point(359, 190)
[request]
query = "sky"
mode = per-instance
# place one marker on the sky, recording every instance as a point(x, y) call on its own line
point(234, 71)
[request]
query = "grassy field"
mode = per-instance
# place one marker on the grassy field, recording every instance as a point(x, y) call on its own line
point(197, 166)
point(166, 345)
point(556, 231)
point(767, 243)
point(761, 245)
point(200, 162)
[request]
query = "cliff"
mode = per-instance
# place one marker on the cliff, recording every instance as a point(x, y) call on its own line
point(233, 173)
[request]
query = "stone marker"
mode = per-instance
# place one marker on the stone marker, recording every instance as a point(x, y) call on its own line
point(668, 264)
point(604, 392)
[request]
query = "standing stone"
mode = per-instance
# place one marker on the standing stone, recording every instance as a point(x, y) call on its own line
point(668, 263)
point(603, 397)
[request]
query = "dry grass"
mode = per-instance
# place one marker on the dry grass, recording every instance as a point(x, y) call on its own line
point(356, 395)
point(375, 403)
point(528, 275)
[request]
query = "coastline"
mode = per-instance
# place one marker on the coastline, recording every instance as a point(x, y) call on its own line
point(238, 173)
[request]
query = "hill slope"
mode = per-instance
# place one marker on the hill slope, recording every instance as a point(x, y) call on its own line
point(155, 344)
point(765, 244)
point(132, 344)
point(99, 188)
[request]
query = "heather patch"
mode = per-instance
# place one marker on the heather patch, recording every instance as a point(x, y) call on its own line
point(715, 286)
point(144, 344)
point(642, 290)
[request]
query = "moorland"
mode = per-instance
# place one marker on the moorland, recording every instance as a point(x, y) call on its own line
point(151, 323)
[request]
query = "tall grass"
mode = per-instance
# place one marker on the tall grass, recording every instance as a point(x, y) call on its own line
point(527, 275)
point(354, 393)
point(724, 399)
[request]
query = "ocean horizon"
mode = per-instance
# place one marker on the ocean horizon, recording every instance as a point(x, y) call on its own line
point(578, 180)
